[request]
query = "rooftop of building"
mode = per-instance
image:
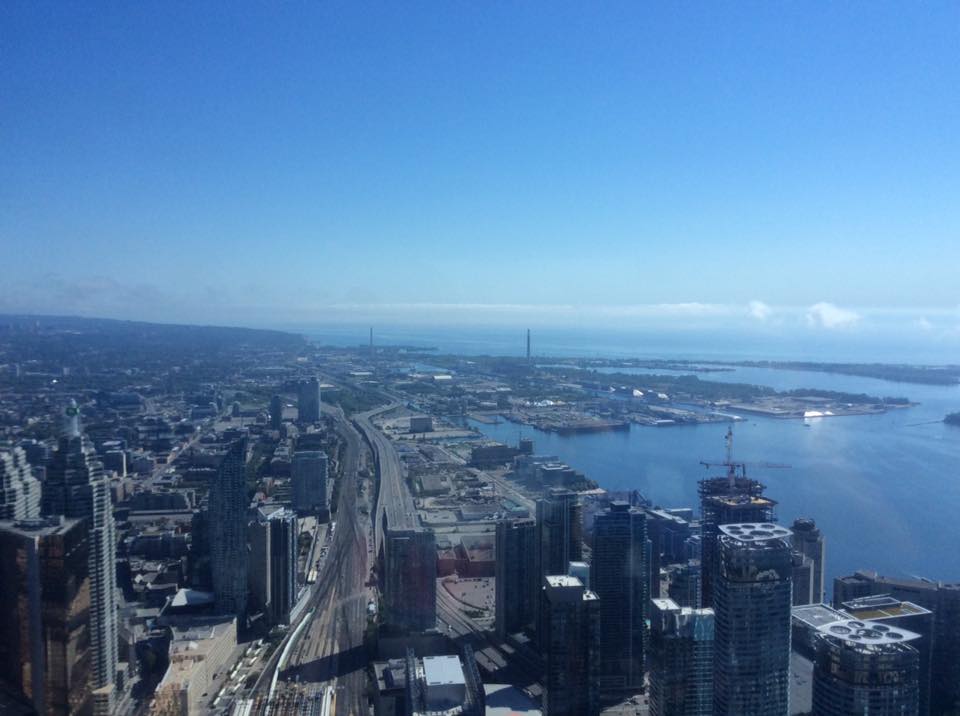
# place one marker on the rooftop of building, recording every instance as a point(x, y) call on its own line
point(882, 607)
point(442, 671)
point(816, 615)
point(506, 700)
point(854, 631)
point(38, 527)
point(755, 531)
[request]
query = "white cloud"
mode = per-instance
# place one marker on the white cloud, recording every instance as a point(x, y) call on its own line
point(923, 324)
point(759, 310)
point(827, 315)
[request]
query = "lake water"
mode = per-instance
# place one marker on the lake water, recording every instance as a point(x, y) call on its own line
point(884, 489)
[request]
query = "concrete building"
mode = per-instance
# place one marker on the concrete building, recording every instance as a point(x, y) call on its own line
point(940, 598)
point(421, 424)
point(199, 648)
point(751, 602)
point(726, 500)
point(889, 611)
point(19, 489)
point(559, 537)
point(620, 579)
point(45, 597)
point(516, 575)
point(309, 470)
point(308, 400)
point(865, 668)
point(807, 539)
point(228, 532)
point(444, 685)
point(803, 579)
point(77, 487)
point(681, 660)
point(684, 587)
point(410, 584)
point(668, 534)
point(570, 644)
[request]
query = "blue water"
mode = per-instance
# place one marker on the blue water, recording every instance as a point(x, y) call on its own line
point(885, 489)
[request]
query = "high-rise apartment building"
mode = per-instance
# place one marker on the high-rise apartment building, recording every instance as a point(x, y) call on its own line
point(751, 601)
point(559, 537)
point(228, 532)
point(570, 639)
point(272, 568)
point(865, 668)
point(807, 539)
point(889, 611)
point(723, 501)
point(940, 598)
point(681, 660)
point(803, 578)
point(308, 400)
point(515, 575)
point(619, 576)
point(276, 412)
point(410, 584)
point(19, 489)
point(76, 487)
point(45, 601)
point(309, 478)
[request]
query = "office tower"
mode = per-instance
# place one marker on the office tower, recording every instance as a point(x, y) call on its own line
point(865, 668)
point(76, 487)
point(620, 579)
point(19, 489)
point(559, 537)
point(570, 638)
point(808, 540)
point(941, 599)
point(45, 600)
point(681, 660)
point(684, 586)
point(273, 562)
point(726, 500)
point(308, 400)
point(887, 610)
point(410, 586)
point(803, 579)
point(515, 575)
point(276, 412)
point(228, 532)
point(309, 471)
point(751, 602)
point(668, 534)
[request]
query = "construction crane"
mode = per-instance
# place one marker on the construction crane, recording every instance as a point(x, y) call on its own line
point(737, 468)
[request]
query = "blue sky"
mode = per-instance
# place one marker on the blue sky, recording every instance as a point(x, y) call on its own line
point(794, 166)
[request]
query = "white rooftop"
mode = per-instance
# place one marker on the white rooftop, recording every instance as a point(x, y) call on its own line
point(442, 671)
point(755, 531)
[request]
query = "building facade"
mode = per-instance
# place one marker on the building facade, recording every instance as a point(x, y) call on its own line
point(19, 489)
point(228, 532)
point(681, 660)
point(410, 585)
point(751, 603)
point(515, 575)
point(808, 540)
point(570, 637)
point(619, 576)
point(559, 538)
point(309, 478)
point(45, 600)
point(308, 400)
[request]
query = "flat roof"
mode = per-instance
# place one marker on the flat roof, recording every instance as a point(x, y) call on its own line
point(882, 607)
point(816, 615)
point(755, 531)
point(866, 633)
point(442, 671)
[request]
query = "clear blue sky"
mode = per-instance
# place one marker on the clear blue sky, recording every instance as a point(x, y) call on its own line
point(296, 162)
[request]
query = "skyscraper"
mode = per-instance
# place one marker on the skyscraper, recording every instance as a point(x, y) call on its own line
point(45, 600)
point(276, 412)
point(410, 586)
point(76, 487)
point(559, 537)
point(681, 660)
point(308, 400)
point(570, 638)
point(309, 471)
point(726, 500)
point(19, 489)
point(515, 575)
point(865, 668)
point(803, 579)
point(273, 562)
point(808, 540)
point(618, 575)
point(751, 602)
point(228, 532)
